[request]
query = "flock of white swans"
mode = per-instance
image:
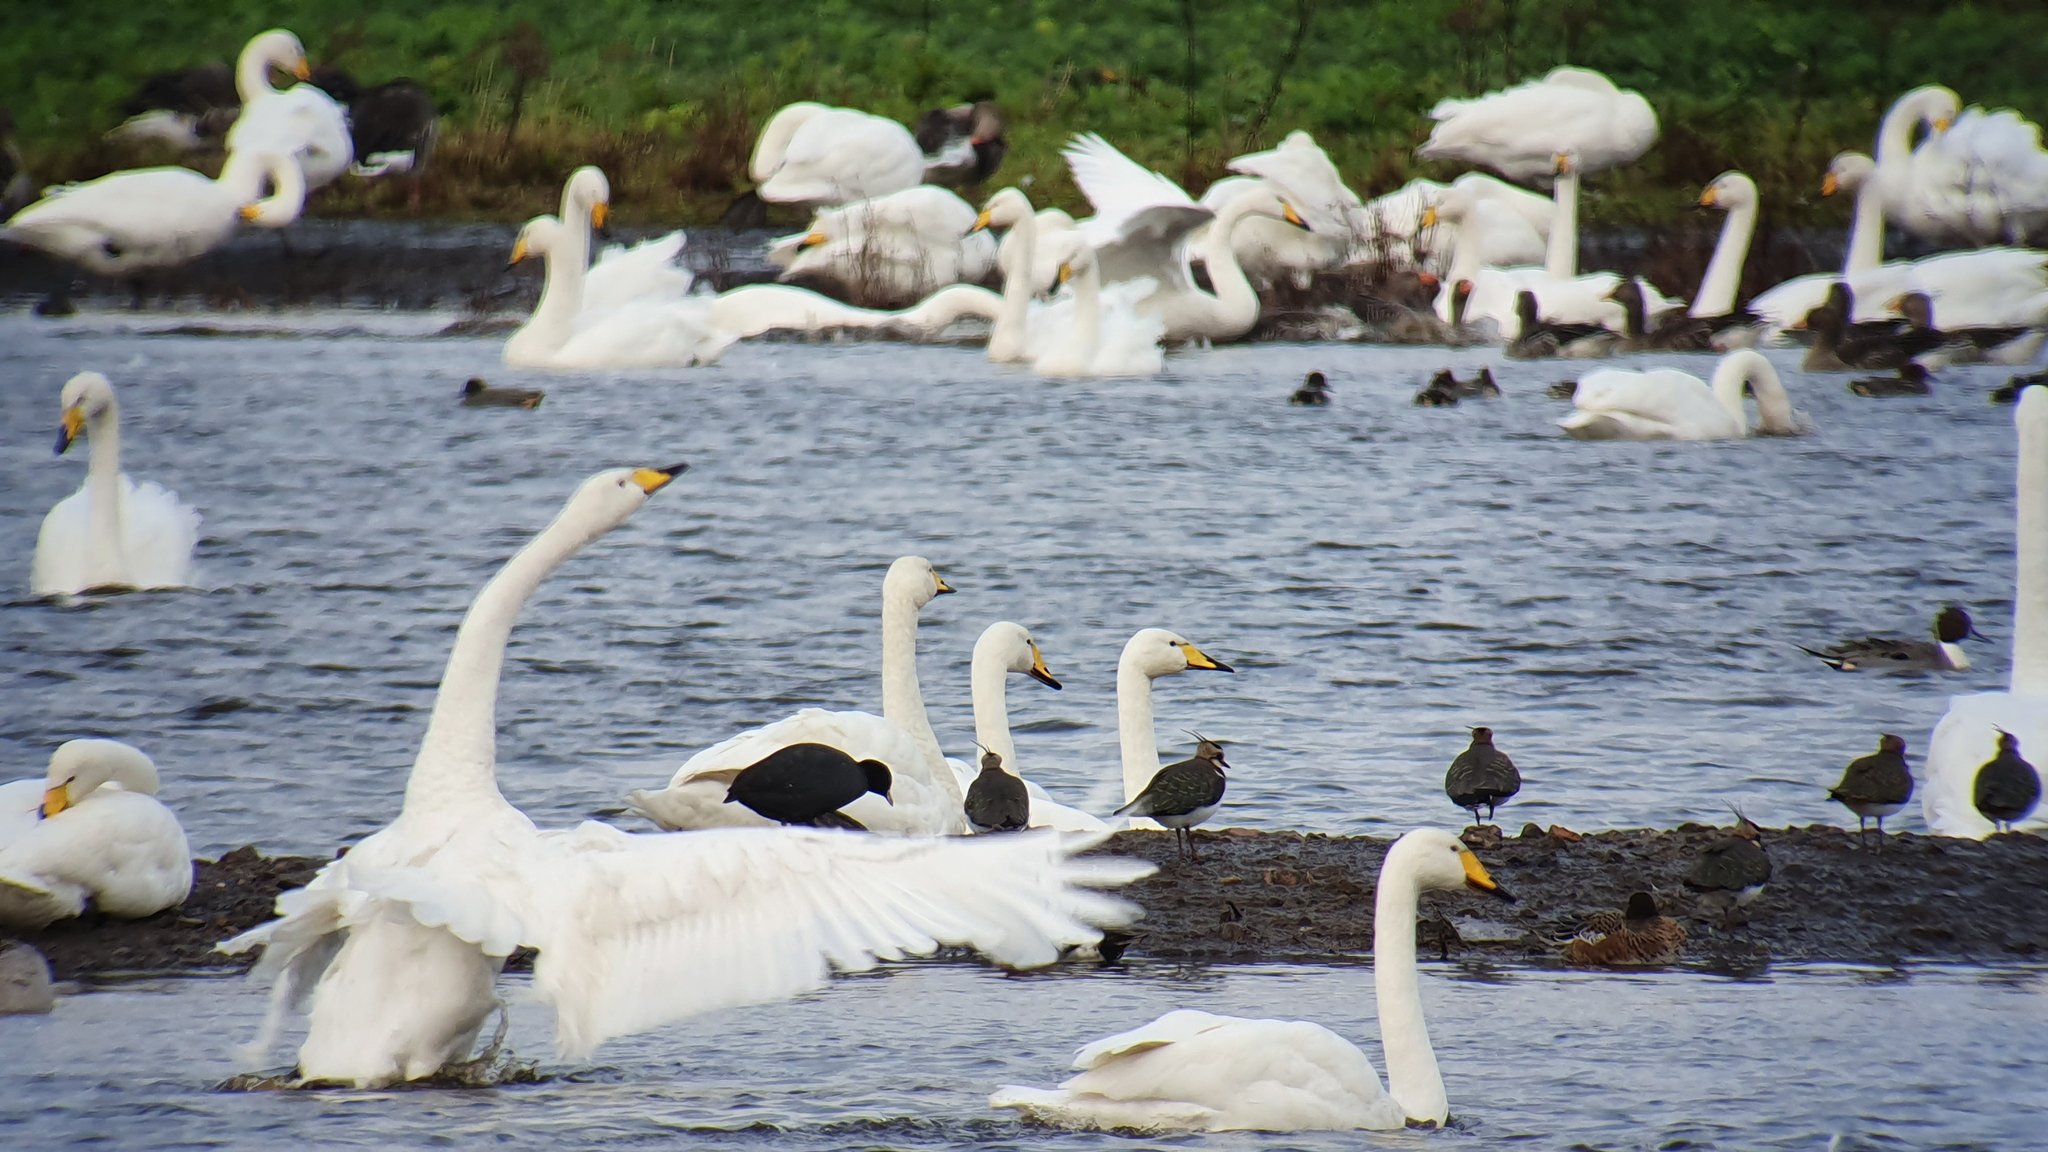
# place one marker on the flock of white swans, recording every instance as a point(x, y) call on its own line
point(393, 951)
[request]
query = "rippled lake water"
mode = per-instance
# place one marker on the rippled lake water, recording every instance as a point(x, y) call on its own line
point(1382, 576)
point(1829, 1058)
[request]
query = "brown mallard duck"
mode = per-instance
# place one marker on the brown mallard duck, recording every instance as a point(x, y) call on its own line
point(1636, 937)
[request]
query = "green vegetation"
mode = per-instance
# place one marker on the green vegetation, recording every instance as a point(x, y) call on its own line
point(666, 94)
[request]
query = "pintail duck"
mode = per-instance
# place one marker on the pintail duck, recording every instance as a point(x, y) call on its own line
point(1891, 654)
point(1542, 339)
point(1877, 785)
point(1184, 794)
point(1481, 776)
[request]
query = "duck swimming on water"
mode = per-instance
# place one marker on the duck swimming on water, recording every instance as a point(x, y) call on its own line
point(1892, 654)
point(1314, 391)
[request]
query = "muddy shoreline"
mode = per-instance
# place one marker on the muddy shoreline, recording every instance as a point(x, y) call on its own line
point(1284, 896)
point(329, 262)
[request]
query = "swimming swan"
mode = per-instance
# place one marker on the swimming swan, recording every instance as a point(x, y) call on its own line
point(1191, 1070)
point(400, 941)
point(90, 831)
point(927, 796)
point(1666, 404)
point(1967, 734)
point(637, 319)
point(112, 532)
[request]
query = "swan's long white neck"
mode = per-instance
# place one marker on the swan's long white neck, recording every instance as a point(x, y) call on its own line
point(1866, 232)
point(989, 680)
point(1773, 406)
point(1134, 729)
point(902, 699)
point(1087, 335)
point(2030, 594)
point(1561, 251)
point(1235, 298)
point(1006, 338)
point(103, 485)
point(561, 292)
point(937, 312)
point(1723, 277)
point(457, 762)
point(1412, 1076)
point(252, 75)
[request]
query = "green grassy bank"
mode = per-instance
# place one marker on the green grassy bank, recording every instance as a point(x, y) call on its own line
point(667, 94)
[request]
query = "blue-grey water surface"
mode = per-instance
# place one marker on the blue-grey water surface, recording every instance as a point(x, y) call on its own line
point(1382, 576)
point(1819, 1059)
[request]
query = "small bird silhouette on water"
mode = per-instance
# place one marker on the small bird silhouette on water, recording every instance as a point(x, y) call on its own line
point(997, 801)
point(1944, 653)
point(808, 784)
point(1314, 391)
point(1636, 937)
point(1877, 785)
point(1481, 777)
point(1183, 795)
point(1445, 390)
point(1911, 381)
point(477, 394)
point(1732, 871)
point(2007, 788)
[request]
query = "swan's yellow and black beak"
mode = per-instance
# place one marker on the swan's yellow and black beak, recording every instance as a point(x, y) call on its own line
point(1941, 125)
point(1476, 876)
point(1288, 214)
point(302, 70)
point(1066, 273)
point(1040, 672)
point(1828, 184)
point(518, 251)
point(812, 240)
point(56, 799)
point(1560, 163)
point(652, 480)
point(943, 587)
point(598, 213)
point(68, 429)
point(249, 211)
point(1202, 661)
point(1429, 217)
point(980, 222)
point(1709, 197)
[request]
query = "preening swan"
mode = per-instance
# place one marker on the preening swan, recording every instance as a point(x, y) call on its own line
point(302, 122)
point(1143, 228)
point(399, 942)
point(1967, 734)
point(1149, 654)
point(1191, 1070)
point(1520, 131)
point(893, 249)
point(112, 532)
point(927, 794)
point(810, 153)
point(144, 218)
point(89, 832)
point(636, 315)
point(1666, 404)
point(1980, 177)
point(1006, 648)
